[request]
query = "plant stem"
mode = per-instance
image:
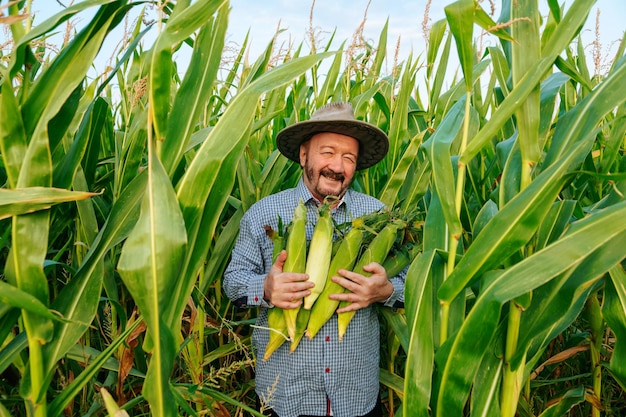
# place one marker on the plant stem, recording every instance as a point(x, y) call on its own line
point(511, 382)
point(594, 314)
point(455, 236)
point(36, 375)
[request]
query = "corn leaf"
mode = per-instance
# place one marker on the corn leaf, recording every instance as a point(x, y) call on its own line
point(562, 36)
point(149, 266)
point(614, 312)
point(438, 148)
point(525, 15)
point(476, 333)
point(31, 199)
point(563, 297)
point(420, 354)
point(195, 89)
point(67, 395)
point(460, 16)
point(10, 295)
point(78, 300)
point(517, 222)
point(179, 27)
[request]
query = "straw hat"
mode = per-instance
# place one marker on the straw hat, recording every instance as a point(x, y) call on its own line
point(337, 118)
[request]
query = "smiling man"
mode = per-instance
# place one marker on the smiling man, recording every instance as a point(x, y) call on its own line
point(323, 376)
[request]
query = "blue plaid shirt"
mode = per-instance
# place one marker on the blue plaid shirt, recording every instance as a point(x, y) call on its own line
point(299, 383)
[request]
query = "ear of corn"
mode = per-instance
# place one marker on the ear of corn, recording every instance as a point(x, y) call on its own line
point(320, 252)
point(396, 261)
point(296, 258)
point(301, 323)
point(376, 251)
point(345, 258)
point(275, 318)
point(278, 329)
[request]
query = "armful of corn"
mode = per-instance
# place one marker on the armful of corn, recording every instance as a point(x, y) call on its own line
point(387, 237)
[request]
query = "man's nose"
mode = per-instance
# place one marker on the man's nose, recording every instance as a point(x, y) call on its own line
point(336, 164)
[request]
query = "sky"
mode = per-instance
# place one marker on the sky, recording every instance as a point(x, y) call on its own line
point(406, 20)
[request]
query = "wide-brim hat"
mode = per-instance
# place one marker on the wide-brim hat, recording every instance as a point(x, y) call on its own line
point(336, 118)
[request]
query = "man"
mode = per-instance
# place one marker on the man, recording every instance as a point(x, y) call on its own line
point(323, 376)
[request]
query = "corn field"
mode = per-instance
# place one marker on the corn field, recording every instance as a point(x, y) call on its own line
point(122, 194)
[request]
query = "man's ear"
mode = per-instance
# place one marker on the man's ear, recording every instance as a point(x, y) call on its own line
point(303, 150)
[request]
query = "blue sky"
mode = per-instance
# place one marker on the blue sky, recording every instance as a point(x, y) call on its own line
point(406, 18)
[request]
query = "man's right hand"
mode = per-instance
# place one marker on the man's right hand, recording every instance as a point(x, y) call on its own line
point(285, 289)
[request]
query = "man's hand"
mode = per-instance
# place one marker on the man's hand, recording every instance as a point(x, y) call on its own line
point(362, 290)
point(285, 289)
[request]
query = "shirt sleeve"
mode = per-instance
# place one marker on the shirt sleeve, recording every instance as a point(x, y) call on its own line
point(396, 299)
point(246, 272)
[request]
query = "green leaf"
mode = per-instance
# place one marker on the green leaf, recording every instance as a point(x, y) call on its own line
point(13, 140)
point(179, 27)
point(400, 174)
point(563, 35)
point(149, 265)
point(53, 87)
point(460, 15)
point(511, 228)
point(571, 398)
point(583, 238)
point(437, 30)
point(487, 23)
point(96, 364)
point(31, 199)
point(559, 302)
point(438, 147)
point(614, 312)
point(525, 18)
point(580, 123)
point(195, 89)
point(420, 353)
point(13, 296)
point(78, 300)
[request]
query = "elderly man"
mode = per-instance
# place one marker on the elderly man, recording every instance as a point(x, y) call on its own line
point(323, 376)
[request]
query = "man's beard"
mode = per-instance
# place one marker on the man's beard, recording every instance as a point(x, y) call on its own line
point(328, 173)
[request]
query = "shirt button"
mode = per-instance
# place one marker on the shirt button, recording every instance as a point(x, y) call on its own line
point(327, 370)
point(328, 338)
point(256, 299)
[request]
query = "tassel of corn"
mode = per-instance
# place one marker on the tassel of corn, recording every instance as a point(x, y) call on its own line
point(345, 258)
point(320, 252)
point(296, 258)
point(376, 251)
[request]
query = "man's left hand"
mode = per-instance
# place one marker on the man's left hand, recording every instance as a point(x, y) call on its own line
point(362, 290)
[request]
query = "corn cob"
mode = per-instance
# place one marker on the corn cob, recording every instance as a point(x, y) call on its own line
point(278, 329)
point(345, 258)
point(396, 261)
point(376, 251)
point(320, 252)
point(275, 318)
point(301, 322)
point(296, 258)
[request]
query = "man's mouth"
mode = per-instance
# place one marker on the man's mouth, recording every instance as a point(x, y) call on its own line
point(332, 175)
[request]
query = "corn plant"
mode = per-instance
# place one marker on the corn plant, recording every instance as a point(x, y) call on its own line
point(120, 207)
point(509, 238)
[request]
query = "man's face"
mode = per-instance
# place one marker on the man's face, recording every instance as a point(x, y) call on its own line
point(329, 162)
